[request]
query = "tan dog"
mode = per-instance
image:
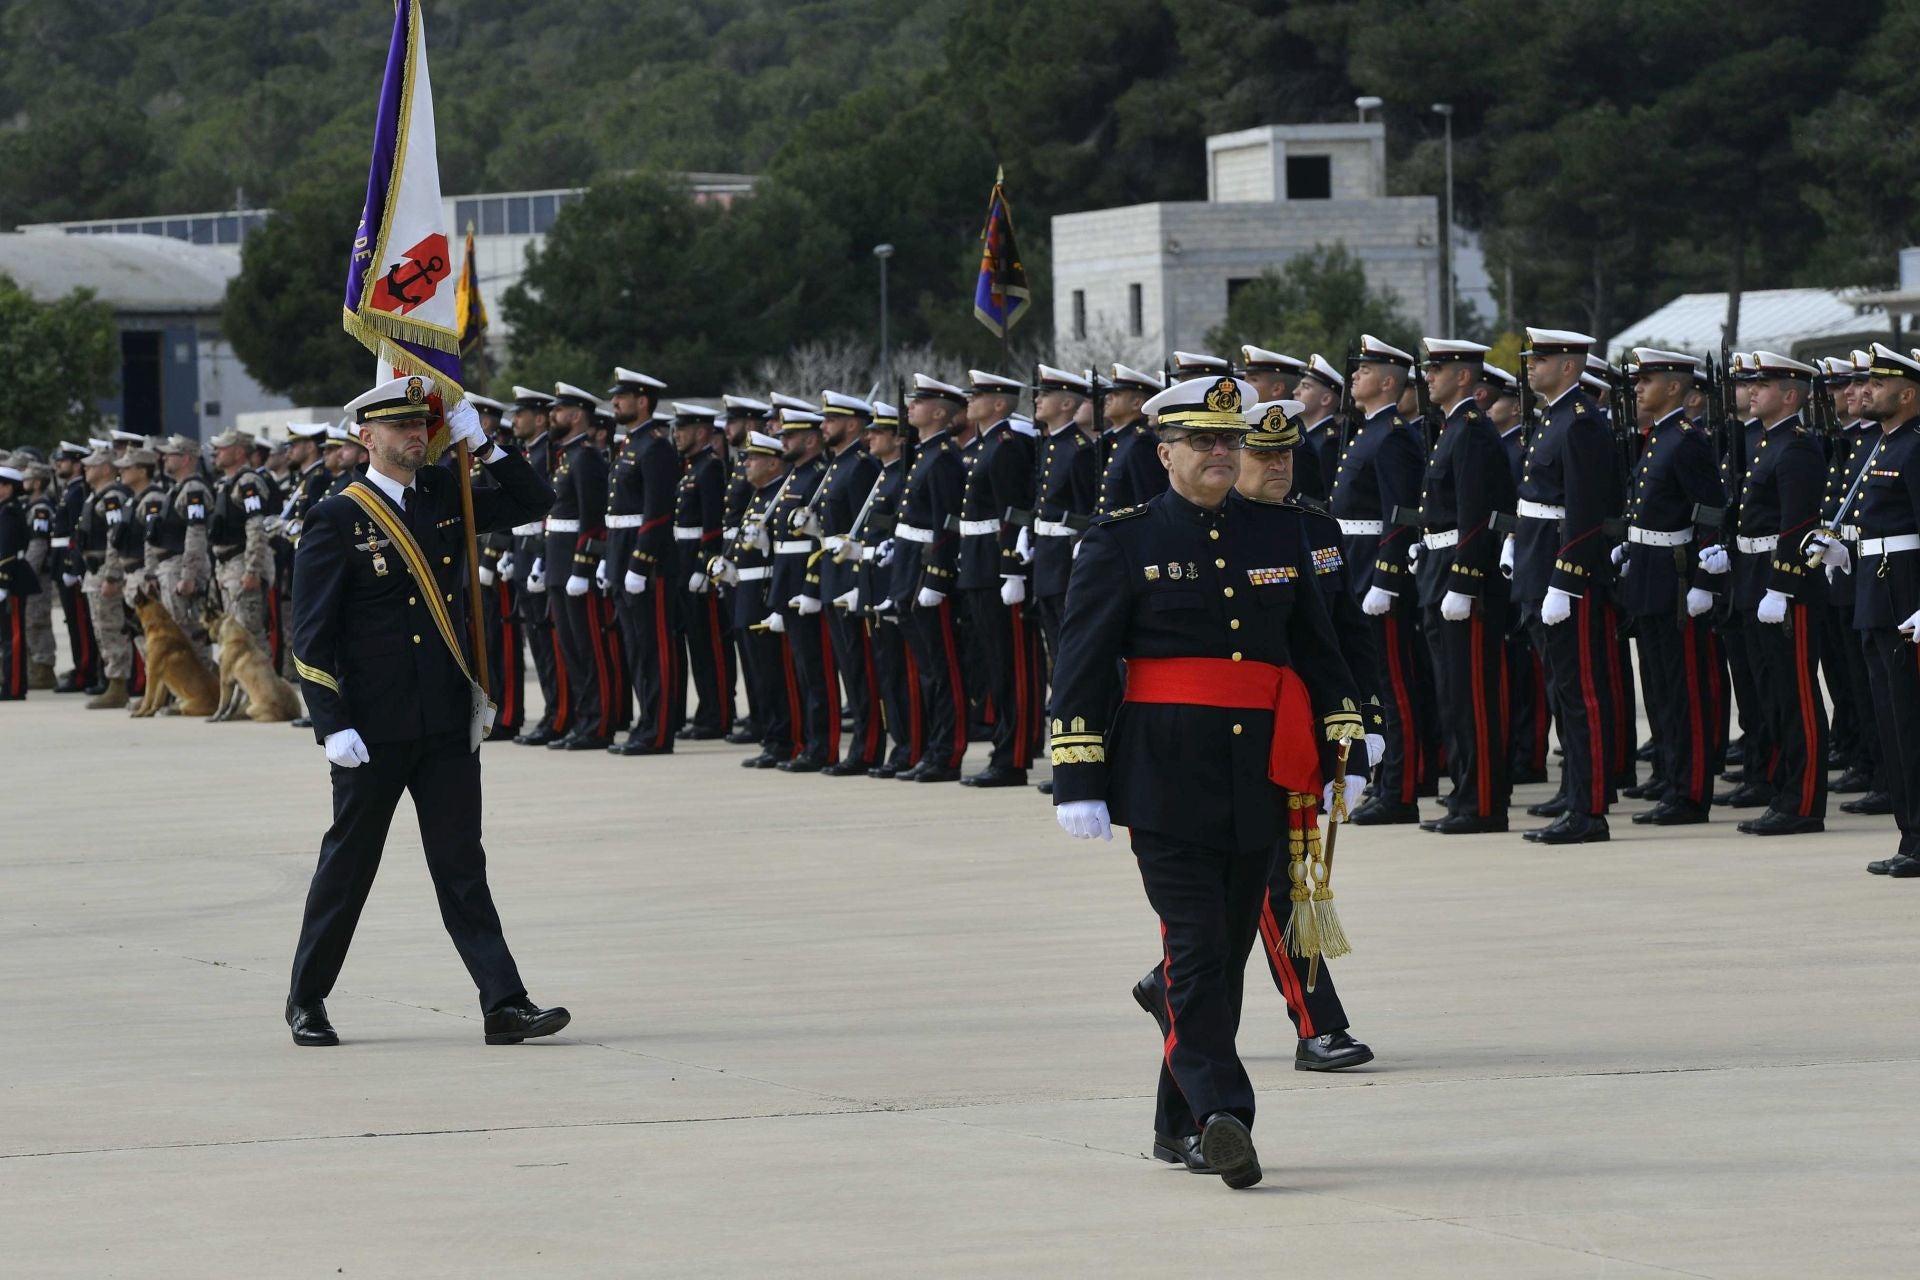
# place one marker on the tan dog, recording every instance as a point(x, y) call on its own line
point(247, 678)
point(175, 672)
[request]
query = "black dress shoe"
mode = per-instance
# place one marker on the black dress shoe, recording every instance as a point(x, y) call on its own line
point(1334, 1051)
point(882, 771)
point(640, 747)
point(68, 683)
point(843, 769)
point(1645, 752)
point(912, 772)
point(1855, 781)
point(535, 737)
point(801, 764)
point(935, 775)
point(1552, 807)
point(580, 742)
point(1152, 997)
point(1467, 824)
point(1874, 802)
point(1882, 866)
point(1572, 828)
point(311, 1030)
point(1227, 1148)
point(992, 777)
point(1672, 813)
point(521, 1020)
point(1526, 777)
point(1775, 823)
point(1903, 868)
point(1651, 789)
point(300, 722)
point(1184, 1151)
point(741, 738)
point(701, 734)
point(765, 760)
point(1384, 813)
point(1737, 752)
point(1748, 795)
point(503, 733)
point(1044, 788)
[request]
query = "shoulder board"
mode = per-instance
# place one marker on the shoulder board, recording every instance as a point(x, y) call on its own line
point(1305, 503)
point(1285, 504)
point(1124, 513)
point(1579, 406)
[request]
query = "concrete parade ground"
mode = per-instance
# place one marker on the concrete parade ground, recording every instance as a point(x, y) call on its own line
point(843, 1027)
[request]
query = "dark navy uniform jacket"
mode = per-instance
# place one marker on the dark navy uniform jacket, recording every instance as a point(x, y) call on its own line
point(792, 569)
point(644, 484)
point(1468, 480)
point(1570, 463)
point(699, 503)
point(1068, 490)
point(1848, 456)
point(1379, 471)
point(936, 486)
point(1886, 589)
point(1000, 484)
point(16, 575)
point(850, 478)
point(1130, 470)
point(1174, 580)
point(883, 514)
point(580, 495)
point(364, 643)
point(1781, 498)
point(1676, 472)
point(752, 602)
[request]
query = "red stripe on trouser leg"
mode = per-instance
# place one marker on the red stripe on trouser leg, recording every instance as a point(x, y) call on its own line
point(915, 728)
point(1542, 715)
point(1590, 698)
point(16, 649)
point(1403, 700)
point(81, 611)
point(1282, 963)
point(1022, 700)
point(560, 719)
point(794, 715)
point(1166, 987)
point(1625, 735)
point(1696, 718)
point(1803, 676)
point(1483, 754)
point(602, 661)
point(723, 687)
point(957, 683)
point(876, 705)
point(668, 666)
point(831, 670)
point(509, 657)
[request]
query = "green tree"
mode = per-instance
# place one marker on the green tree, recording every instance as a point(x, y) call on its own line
point(61, 359)
point(1316, 301)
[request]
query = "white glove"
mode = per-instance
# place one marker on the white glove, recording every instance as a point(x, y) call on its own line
point(578, 585)
point(833, 543)
point(885, 606)
point(1911, 627)
point(1355, 785)
point(728, 573)
point(463, 425)
point(600, 575)
point(929, 598)
point(1833, 554)
point(1415, 550)
point(883, 554)
point(1698, 601)
point(70, 579)
point(697, 584)
point(1378, 600)
point(807, 522)
point(1619, 554)
point(635, 583)
point(776, 623)
point(346, 749)
point(1556, 608)
point(1084, 819)
point(1376, 749)
point(506, 566)
point(1506, 557)
point(537, 577)
point(848, 601)
point(3, 595)
point(487, 575)
point(1773, 607)
point(759, 540)
point(848, 552)
point(1013, 590)
point(1023, 545)
point(805, 606)
point(1714, 559)
point(1456, 606)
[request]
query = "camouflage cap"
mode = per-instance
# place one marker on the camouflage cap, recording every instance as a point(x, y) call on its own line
point(230, 437)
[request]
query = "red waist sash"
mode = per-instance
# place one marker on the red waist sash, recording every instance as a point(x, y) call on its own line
point(1293, 761)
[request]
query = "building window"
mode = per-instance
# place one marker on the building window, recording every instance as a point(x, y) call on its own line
point(203, 230)
point(493, 217)
point(151, 229)
point(1234, 285)
point(228, 229)
point(1309, 177)
point(179, 229)
point(466, 213)
point(1136, 311)
point(517, 218)
point(1080, 313)
point(543, 211)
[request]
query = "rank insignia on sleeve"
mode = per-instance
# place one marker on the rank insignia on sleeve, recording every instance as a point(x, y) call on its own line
point(1268, 577)
point(1153, 573)
point(1174, 571)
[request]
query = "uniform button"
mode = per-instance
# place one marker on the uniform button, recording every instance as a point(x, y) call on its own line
point(1214, 534)
point(416, 639)
point(1239, 728)
point(449, 597)
point(411, 600)
point(1233, 624)
point(1219, 564)
point(1237, 655)
point(1229, 591)
point(446, 559)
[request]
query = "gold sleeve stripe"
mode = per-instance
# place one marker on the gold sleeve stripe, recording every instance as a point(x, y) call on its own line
point(1065, 739)
point(1092, 754)
point(316, 675)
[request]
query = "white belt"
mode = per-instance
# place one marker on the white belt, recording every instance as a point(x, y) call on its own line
point(1539, 510)
point(532, 530)
point(793, 546)
point(562, 526)
point(1887, 546)
point(1754, 545)
point(625, 522)
point(912, 533)
point(688, 533)
point(1052, 529)
point(1363, 528)
point(755, 574)
point(1659, 537)
point(59, 543)
point(1850, 533)
point(833, 542)
point(1442, 540)
point(868, 553)
point(978, 528)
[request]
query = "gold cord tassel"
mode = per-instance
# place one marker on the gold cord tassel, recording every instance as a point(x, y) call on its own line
point(1332, 939)
point(1303, 930)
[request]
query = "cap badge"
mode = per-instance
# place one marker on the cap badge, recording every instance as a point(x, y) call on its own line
point(416, 391)
point(1225, 397)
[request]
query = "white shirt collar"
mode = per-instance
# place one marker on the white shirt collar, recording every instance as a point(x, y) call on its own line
point(391, 487)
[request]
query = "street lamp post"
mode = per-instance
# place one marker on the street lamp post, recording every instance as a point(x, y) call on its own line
point(883, 252)
point(1445, 111)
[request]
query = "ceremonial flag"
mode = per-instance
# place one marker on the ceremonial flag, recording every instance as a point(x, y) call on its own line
point(470, 311)
point(395, 303)
point(1000, 295)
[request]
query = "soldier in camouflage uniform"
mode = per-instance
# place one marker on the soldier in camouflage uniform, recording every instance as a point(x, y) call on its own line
point(40, 518)
point(242, 554)
point(178, 556)
point(106, 508)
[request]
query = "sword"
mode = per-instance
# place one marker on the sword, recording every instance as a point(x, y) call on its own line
point(1846, 503)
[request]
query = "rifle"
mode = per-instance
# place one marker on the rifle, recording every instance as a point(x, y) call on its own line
point(1431, 422)
point(1528, 406)
point(1346, 400)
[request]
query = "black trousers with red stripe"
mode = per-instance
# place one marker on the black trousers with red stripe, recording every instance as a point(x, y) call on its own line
point(80, 643)
point(1580, 659)
point(579, 630)
point(709, 657)
point(769, 669)
point(897, 688)
point(536, 623)
point(1685, 691)
point(13, 648)
point(1399, 661)
point(817, 679)
point(506, 661)
point(1471, 672)
point(1746, 694)
point(1209, 902)
point(1786, 664)
point(1893, 672)
point(935, 645)
point(652, 648)
point(1008, 650)
point(1313, 1013)
point(1527, 700)
point(866, 736)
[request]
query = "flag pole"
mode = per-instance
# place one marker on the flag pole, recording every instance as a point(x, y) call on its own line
point(476, 620)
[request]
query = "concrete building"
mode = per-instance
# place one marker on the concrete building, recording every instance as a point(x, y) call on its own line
point(178, 374)
point(1802, 323)
point(1149, 278)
